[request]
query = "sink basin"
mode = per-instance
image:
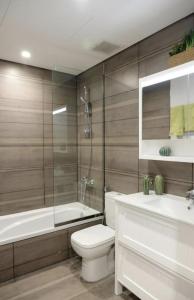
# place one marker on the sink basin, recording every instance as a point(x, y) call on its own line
point(167, 205)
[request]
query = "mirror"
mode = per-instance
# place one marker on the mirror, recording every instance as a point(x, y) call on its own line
point(166, 115)
point(168, 109)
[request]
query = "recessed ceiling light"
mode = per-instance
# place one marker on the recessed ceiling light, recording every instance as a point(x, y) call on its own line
point(26, 54)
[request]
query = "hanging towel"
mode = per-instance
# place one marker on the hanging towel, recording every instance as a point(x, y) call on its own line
point(177, 121)
point(178, 98)
point(189, 117)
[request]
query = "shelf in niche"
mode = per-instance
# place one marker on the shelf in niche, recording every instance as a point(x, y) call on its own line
point(168, 158)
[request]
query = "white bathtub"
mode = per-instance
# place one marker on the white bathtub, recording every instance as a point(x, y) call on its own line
point(32, 223)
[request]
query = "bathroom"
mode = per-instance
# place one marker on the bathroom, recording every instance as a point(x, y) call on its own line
point(72, 143)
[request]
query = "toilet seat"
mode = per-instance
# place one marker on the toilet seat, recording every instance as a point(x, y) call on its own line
point(93, 236)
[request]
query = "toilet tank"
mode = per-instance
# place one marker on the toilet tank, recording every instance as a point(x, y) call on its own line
point(110, 207)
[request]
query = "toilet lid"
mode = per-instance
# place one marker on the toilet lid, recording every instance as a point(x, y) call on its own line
point(93, 236)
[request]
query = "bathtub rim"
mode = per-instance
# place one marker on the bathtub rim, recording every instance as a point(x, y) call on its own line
point(49, 230)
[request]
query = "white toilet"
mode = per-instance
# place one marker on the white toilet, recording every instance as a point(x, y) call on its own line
point(96, 244)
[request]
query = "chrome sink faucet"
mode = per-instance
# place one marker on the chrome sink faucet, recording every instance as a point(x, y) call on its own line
point(190, 198)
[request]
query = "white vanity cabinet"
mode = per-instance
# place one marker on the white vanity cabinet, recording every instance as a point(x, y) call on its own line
point(154, 253)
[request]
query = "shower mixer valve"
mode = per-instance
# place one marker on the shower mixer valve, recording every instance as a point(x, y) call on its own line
point(89, 182)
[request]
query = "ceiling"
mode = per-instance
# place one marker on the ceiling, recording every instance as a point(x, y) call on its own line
point(62, 34)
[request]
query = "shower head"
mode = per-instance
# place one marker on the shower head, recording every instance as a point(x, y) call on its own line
point(83, 100)
point(88, 106)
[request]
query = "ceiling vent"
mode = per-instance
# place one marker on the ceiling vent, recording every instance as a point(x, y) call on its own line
point(106, 47)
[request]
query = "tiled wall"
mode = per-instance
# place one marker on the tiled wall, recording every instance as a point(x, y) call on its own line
point(124, 172)
point(26, 137)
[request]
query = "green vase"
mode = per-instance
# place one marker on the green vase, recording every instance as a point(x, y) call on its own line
point(159, 185)
point(146, 185)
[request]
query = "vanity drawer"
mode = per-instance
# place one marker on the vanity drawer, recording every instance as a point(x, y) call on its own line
point(148, 281)
point(168, 244)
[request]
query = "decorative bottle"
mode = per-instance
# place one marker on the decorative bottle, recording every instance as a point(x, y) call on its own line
point(146, 184)
point(159, 184)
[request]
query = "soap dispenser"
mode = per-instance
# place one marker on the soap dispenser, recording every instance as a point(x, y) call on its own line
point(159, 184)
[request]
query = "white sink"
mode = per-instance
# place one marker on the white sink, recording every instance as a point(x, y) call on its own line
point(167, 205)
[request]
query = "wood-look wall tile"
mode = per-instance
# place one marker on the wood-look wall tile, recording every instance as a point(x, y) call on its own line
point(13, 87)
point(88, 156)
point(65, 155)
point(121, 132)
point(97, 113)
point(40, 247)
point(25, 71)
point(41, 251)
point(170, 170)
point(21, 134)
point(93, 72)
point(166, 37)
point(21, 180)
point(6, 262)
point(122, 106)
point(121, 182)
point(123, 80)
point(13, 202)
point(65, 197)
point(97, 135)
point(119, 60)
point(154, 63)
point(122, 158)
point(14, 157)
point(94, 87)
point(18, 115)
point(173, 187)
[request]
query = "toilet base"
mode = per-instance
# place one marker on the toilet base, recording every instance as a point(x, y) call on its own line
point(98, 268)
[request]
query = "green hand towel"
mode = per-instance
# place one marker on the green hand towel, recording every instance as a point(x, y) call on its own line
point(189, 117)
point(177, 120)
